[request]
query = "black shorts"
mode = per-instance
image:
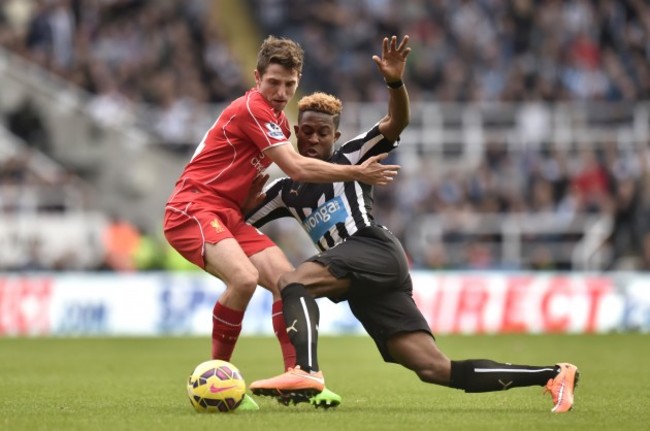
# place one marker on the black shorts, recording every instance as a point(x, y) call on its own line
point(381, 292)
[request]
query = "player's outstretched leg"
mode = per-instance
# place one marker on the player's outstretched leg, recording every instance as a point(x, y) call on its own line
point(562, 386)
point(295, 386)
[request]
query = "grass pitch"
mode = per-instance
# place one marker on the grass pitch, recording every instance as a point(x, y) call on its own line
point(139, 384)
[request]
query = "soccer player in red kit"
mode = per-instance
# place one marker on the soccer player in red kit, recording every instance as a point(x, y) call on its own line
point(203, 219)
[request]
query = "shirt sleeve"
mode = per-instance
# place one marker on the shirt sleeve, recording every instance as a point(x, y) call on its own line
point(273, 206)
point(367, 144)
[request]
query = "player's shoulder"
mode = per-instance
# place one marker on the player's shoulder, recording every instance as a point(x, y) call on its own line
point(371, 135)
point(254, 103)
point(253, 98)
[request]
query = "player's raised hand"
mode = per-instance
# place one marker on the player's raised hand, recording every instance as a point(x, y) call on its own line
point(374, 173)
point(393, 58)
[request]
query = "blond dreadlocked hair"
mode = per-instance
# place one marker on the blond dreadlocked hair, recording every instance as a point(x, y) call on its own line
point(321, 102)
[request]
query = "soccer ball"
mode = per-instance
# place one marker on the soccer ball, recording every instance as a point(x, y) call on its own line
point(216, 386)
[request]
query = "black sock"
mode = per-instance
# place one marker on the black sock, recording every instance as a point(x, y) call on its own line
point(483, 375)
point(301, 315)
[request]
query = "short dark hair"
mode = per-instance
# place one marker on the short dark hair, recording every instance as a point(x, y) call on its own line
point(282, 51)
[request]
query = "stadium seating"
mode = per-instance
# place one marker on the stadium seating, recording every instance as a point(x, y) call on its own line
point(507, 129)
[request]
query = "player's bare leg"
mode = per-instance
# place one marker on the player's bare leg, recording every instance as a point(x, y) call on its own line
point(418, 352)
point(317, 280)
point(228, 261)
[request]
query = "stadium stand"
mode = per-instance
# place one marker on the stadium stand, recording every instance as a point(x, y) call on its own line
point(530, 123)
point(528, 143)
point(46, 218)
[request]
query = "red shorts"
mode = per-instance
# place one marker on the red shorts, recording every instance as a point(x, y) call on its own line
point(189, 227)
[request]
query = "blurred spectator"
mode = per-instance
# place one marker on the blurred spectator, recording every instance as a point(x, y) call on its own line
point(479, 256)
point(110, 107)
point(121, 241)
point(26, 122)
point(591, 181)
point(644, 264)
point(435, 257)
point(149, 253)
point(174, 261)
point(541, 259)
point(628, 222)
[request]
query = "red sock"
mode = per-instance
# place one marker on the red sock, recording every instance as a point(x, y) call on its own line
point(280, 329)
point(226, 326)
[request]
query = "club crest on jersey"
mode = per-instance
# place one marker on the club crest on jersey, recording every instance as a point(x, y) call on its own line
point(323, 218)
point(217, 226)
point(274, 131)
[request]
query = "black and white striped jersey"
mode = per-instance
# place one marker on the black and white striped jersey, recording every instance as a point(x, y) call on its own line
point(329, 213)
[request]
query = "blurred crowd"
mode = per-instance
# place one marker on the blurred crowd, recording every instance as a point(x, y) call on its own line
point(149, 62)
point(171, 57)
point(551, 187)
point(474, 50)
point(495, 51)
point(31, 182)
point(25, 190)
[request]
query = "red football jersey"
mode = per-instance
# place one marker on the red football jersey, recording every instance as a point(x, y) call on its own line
point(231, 153)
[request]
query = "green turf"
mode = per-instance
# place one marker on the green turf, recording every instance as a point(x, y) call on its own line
point(139, 384)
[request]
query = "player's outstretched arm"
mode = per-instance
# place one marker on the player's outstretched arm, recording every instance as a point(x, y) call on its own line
point(310, 170)
point(391, 65)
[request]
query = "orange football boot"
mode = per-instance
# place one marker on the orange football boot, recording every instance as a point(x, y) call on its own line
point(294, 385)
point(562, 387)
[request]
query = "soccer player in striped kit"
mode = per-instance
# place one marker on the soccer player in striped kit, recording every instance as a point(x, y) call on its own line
point(363, 263)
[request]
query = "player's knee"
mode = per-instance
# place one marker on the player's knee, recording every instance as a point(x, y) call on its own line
point(270, 282)
point(434, 372)
point(286, 279)
point(245, 282)
point(427, 375)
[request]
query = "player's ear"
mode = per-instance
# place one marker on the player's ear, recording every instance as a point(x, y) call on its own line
point(296, 127)
point(337, 135)
point(258, 77)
